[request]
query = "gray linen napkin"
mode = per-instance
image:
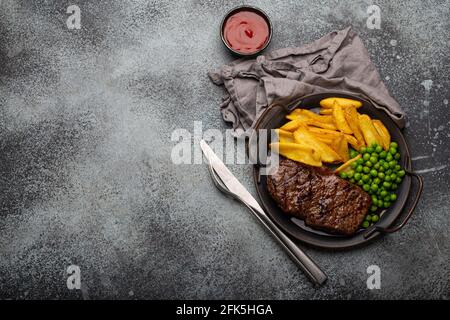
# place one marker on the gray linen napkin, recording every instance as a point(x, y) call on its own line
point(336, 62)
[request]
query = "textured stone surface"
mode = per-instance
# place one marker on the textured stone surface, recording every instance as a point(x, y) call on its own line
point(85, 170)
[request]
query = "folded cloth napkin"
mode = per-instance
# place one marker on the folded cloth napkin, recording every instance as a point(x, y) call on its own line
point(337, 62)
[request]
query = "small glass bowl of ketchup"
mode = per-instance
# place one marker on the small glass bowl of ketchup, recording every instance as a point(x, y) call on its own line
point(246, 30)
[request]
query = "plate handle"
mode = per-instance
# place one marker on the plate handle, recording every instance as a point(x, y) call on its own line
point(410, 211)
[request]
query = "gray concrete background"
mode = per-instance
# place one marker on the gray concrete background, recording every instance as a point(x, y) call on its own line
point(85, 170)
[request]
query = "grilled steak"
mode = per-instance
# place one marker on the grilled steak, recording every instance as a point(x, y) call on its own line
point(318, 196)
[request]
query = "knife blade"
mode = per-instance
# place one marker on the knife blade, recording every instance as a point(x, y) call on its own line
point(234, 187)
point(228, 178)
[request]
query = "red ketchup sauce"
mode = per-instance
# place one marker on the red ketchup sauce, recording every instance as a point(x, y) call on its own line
point(246, 31)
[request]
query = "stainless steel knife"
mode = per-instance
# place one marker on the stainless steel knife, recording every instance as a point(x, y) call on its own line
point(241, 193)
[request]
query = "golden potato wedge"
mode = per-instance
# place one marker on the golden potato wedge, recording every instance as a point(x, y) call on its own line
point(343, 102)
point(351, 115)
point(325, 131)
point(315, 123)
point(315, 116)
point(304, 137)
point(339, 119)
point(383, 133)
point(368, 130)
point(328, 141)
point(324, 111)
point(297, 152)
point(285, 136)
point(292, 125)
point(340, 145)
point(297, 114)
point(347, 165)
point(353, 141)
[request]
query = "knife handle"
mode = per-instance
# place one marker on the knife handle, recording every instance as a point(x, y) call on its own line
point(312, 270)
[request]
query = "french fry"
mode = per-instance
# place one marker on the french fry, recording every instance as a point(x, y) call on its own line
point(324, 125)
point(304, 137)
point(343, 102)
point(297, 114)
point(368, 130)
point(347, 165)
point(292, 125)
point(315, 116)
point(340, 145)
point(324, 111)
point(297, 152)
point(353, 142)
point(351, 115)
point(339, 119)
point(328, 141)
point(325, 131)
point(383, 133)
point(285, 136)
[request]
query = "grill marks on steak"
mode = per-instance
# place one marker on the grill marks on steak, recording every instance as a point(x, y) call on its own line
point(318, 196)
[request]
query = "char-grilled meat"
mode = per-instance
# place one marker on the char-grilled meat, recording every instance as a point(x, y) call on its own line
point(318, 196)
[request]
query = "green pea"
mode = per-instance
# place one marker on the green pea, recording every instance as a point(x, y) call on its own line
point(401, 173)
point(343, 175)
point(393, 145)
point(393, 176)
point(366, 156)
point(368, 217)
point(392, 163)
point(386, 165)
point(350, 173)
point(376, 181)
point(366, 169)
point(365, 178)
point(374, 145)
point(368, 164)
point(357, 176)
point(383, 154)
point(353, 153)
point(397, 156)
point(383, 193)
point(376, 166)
point(381, 175)
point(365, 224)
point(363, 150)
point(389, 157)
point(382, 168)
point(394, 186)
point(373, 209)
point(373, 173)
point(398, 180)
point(387, 184)
point(386, 204)
point(359, 168)
point(360, 161)
point(370, 150)
point(366, 187)
point(393, 197)
point(354, 165)
point(373, 159)
point(378, 149)
point(352, 180)
point(387, 178)
point(392, 151)
point(397, 167)
point(360, 183)
point(375, 218)
point(388, 172)
point(374, 187)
